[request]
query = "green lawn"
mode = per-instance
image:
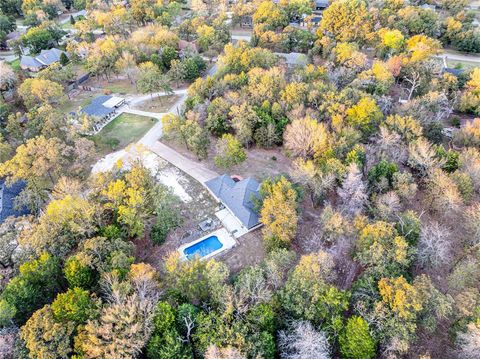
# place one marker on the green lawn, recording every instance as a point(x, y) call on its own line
point(122, 131)
point(15, 65)
point(465, 65)
point(121, 87)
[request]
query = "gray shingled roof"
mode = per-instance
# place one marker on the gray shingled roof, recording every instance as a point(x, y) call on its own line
point(48, 57)
point(321, 3)
point(454, 72)
point(29, 61)
point(7, 200)
point(96, 108)
point(237, 197)
point(45, 58)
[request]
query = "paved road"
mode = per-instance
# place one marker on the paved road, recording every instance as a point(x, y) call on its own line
point(459, 57)
point(157, 115)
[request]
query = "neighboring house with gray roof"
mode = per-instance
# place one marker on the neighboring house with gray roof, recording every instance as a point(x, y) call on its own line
point(39, 62)
point(237, 197)
point(321, 4)
point(104, 109)
point(7, 200)
point(103, 106)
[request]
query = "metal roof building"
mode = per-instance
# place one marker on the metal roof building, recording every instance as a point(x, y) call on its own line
point(103, 106)
point(96, 108)
point(237, 197)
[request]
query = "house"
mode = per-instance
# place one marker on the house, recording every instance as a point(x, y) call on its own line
point(103, 107)
point(453, 71)
point(39, 62)
point(321, 4)
point(237, 196)
point(11, 38)
point(7, 200)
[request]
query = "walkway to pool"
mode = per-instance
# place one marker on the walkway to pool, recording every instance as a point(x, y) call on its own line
point(208, 245)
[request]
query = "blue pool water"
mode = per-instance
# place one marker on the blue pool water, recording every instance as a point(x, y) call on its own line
point(203, 248)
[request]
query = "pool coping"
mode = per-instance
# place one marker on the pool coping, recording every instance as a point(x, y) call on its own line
point(228, 242)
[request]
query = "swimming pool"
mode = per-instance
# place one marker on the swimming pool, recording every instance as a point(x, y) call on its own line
point(203, 248)
point(208, 246)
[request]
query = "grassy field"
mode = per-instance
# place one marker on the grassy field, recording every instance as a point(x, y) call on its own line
point(465, 65)
point(158, 104)
point(119, 86)
point(15, 65)
point(122, 131)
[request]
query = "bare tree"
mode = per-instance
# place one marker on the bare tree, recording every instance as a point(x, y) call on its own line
point(277, 265)
point(305, 137)
point(7, 78)
point(434, 248)
point(250, 289)
point(352, 192)
point(404, 186)
point(472, 223)
point(413, 81)
point(470, 164)
point(387, 205)
point(422, 157)
point(302, 341)
point(443, 193)
point(389, 145)
point(469, 342)
point(189, 322)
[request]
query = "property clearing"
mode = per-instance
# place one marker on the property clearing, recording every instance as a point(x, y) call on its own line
point(160, 104)
point(122, 131)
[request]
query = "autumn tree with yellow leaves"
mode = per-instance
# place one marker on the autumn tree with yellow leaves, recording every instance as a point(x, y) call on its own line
point(347, 21)
point(279, 212)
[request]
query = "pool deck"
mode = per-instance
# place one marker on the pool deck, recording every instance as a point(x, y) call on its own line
point(223, 236)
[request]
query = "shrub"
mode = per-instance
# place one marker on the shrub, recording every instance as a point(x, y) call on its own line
point(74, 305)
point(356, 341)
point(167, 219)
point(78, 274)
point(229, 152)
point(380, 176)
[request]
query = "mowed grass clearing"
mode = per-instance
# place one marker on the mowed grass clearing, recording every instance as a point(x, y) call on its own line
point(122, 131)
point(158, 104)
